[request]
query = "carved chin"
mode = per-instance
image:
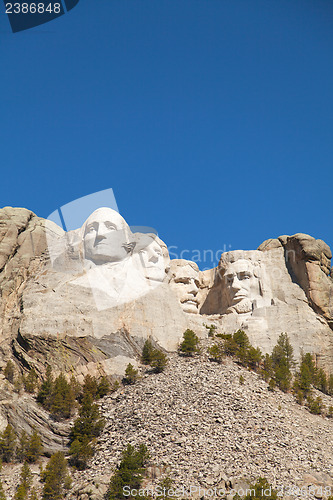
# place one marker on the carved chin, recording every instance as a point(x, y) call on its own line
point(244, 306)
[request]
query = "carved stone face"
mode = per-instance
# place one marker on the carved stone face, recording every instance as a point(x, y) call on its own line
point(242, 286)
point(185, 283)
point(152, 257)
point(105, 237)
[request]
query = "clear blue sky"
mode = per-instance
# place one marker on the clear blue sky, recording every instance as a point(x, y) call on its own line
point(212, 120)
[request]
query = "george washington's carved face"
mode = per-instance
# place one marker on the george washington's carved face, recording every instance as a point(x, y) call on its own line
point(185, 283)
point(105, 237)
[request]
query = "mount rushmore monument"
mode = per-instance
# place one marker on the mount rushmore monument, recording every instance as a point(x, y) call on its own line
point(86, 300)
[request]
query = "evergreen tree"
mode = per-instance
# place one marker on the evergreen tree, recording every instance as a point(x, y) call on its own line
point(8, 444)
point(90, 386)
point(190, 344)
point(130, 472)
point(21, 452)
point(80, 452)
point(89, 424)
point(282, 358)
point(62, 399)
point(330, 385)
point(46, 389)
point(321, 381)
point(9, 371)
point(103, 387)
point(25, 484)
point(253, 357)
point(34, 447)
point(147, 352)
point(216, 352)
point(159, 361)
point(56, 478)
point(30, 381)
point(131, 375)
point(267, 368)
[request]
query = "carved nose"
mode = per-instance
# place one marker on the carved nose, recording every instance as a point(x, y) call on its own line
point(193, 289)
point(101, 233)
point(154, 258)
point(235, 284)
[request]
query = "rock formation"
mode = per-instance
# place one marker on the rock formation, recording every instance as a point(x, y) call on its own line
point(92, 296)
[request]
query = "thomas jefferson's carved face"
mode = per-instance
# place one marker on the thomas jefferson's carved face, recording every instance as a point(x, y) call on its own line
point(105, 237)
point(185, 283)
point(241, 283)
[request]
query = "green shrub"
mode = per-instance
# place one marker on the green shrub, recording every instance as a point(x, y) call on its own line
point(190, 344)
point(211, 330)
point(241, 380)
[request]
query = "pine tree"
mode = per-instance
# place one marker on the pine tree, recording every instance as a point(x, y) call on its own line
point(25, 484)
point(62, 398)
point(216, 352)
point(90, 386)
point(283, 361)
point(321, 381)
point(81, 451)
point(30, 381)
point(147, 352)
point(189, 346)
point(9, 371)
point(130, 472)
point(8, 444)
point(89, 423)
point(46, 389)
point(103, 387)
point(55, 477)
point(131, 375)
point(34, 447)
point(159, 361)
point(21, 452)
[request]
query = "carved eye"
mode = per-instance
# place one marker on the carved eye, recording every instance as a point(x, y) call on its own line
point(110, 226)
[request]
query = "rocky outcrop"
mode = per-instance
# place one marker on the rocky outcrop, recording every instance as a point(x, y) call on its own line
point(203, 428)
point(309, 262)
point(22, 412)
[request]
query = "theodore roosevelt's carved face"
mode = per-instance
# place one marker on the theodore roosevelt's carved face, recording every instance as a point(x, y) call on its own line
point(185, 283)
point(105, 237)
point(242, 286)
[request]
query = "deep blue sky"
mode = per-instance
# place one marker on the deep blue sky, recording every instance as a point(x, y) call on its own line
point(210, 119)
